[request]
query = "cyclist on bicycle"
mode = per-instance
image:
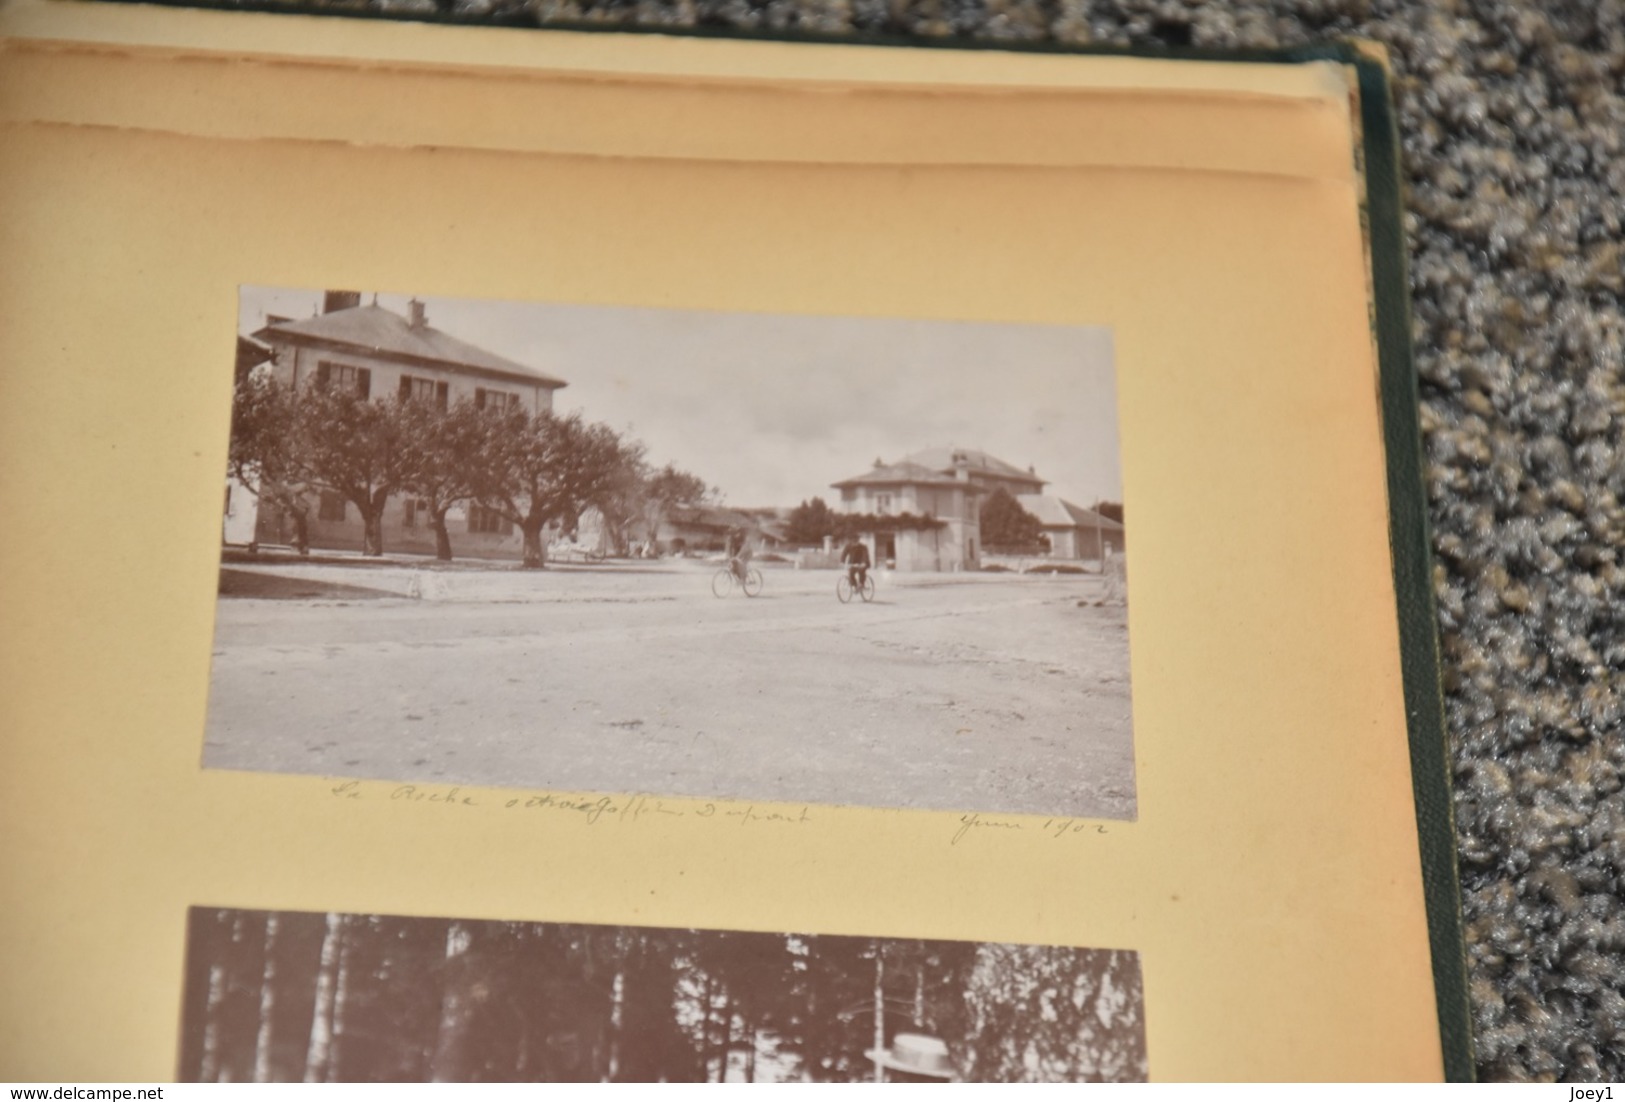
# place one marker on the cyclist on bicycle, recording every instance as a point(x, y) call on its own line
point(856, 558)
point(739, 554)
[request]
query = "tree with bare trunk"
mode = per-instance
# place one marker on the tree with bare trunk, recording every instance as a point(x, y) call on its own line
point(662, 491)
point(264, 455)
point(447, 450)
point(543, 469)
point(361, 450)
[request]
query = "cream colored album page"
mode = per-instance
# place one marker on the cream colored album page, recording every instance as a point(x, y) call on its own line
point(910, 519)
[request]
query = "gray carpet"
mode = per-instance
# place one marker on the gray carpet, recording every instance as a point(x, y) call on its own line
point(1514, 119)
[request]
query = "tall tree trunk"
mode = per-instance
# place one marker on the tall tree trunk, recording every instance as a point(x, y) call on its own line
point(617, 1016)
point(727, 1036)
point(209, 1064)
point(372, 540)
point(341, 991)
point(262, 1038)
point(709, 1033)
point(451, 1037)
point(880, 1013)
point(442, 536)
point(919, 991)
point(535, 557)
point(301, 532)
point(319, 1051)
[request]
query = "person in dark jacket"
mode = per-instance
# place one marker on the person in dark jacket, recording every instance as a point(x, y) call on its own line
point(856, 558)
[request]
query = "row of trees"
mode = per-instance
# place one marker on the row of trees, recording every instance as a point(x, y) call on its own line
point(532, 469)
point(342, 998)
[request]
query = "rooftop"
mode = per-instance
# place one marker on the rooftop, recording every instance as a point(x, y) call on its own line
point(380, 332)
point(903, 474)
point(944, 459)
point(1056, 512)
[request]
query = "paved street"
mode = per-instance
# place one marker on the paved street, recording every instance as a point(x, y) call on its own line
point(978, 692)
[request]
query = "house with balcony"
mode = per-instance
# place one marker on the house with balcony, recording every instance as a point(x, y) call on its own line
point(934, 522)
point(925, 483)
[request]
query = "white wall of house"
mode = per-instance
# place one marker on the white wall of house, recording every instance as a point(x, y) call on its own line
point(951, 547)
point(1082, 542)
point(241, 514)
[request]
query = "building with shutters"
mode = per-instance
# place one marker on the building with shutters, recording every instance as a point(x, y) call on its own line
point(947, 501)
point(376, 353)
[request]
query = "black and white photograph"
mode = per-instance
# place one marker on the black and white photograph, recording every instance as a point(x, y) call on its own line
point(867, 562)
point(280, 996)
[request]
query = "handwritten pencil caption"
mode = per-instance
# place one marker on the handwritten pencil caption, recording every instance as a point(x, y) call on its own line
point(596, 809)
point(592, 809)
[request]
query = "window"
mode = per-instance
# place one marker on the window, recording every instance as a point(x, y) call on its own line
point(347, 377)
point(430, 392)
point(882, 504)
point(481, 519)
point(332, 507)
point(494, 399)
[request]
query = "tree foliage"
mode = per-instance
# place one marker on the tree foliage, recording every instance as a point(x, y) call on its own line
point(451, 447)
point(264, 454)
point(810, 523)
point(1007, 527)
point(643, 497)
point(544, 469)
point(361, 450)
point(538, 469)
point(1040, 1014)
point(666, 489)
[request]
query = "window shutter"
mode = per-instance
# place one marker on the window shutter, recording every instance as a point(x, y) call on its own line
point(363, 383)
point(442, 393)
point(324, 372)
point(406, 387)
point(479, 397)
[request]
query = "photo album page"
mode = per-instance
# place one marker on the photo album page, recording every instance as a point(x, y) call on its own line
point(562, 556)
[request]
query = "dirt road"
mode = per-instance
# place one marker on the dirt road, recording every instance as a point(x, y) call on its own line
point(949, 692)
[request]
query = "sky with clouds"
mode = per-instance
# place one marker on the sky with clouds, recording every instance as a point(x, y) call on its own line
point(771, 408)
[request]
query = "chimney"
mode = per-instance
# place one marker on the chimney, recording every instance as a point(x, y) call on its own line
point(415, 316)
point(340, 300)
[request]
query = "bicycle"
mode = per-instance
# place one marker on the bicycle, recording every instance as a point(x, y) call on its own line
point(726, 579)
point(845, 590)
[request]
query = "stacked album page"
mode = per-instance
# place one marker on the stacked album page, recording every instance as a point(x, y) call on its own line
point(562, 556)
